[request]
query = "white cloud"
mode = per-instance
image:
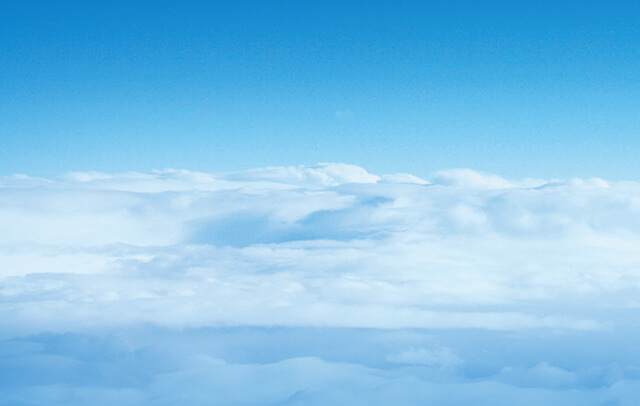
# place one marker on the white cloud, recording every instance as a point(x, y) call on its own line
point(321, 175)
point(470, 179)
point(403, 178)
point(330, 245)
point(318, 285)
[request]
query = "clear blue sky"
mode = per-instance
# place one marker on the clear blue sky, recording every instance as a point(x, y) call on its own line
point(542, 88)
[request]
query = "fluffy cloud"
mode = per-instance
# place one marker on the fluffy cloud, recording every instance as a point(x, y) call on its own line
point(327, 247)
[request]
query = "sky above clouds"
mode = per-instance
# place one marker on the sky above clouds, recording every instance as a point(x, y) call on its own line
point(542, 88)
point(316, 285)
point(319, 202)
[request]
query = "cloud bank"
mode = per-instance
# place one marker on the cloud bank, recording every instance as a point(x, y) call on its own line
point(462, 286)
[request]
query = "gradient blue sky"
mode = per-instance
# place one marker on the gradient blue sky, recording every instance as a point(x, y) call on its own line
point(541, 89)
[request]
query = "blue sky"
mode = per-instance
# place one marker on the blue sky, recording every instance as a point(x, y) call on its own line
point(540, 89)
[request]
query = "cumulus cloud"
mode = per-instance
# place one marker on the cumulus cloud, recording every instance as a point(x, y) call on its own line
point(471, 179)
point(326, 247)
point(329, 245)
point(322, 175)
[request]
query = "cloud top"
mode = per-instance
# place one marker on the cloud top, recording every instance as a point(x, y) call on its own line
point(329, 245)
point(317, 285)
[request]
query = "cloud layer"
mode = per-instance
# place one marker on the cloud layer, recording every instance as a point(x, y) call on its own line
point(330, 248)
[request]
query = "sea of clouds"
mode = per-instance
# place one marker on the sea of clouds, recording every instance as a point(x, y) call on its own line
point(318, 285)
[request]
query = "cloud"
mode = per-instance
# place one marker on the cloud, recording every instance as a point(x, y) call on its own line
point(403, 178)
point(330, 245)
point(443, 357)
point(226, 367)
point(435, 264)
point(321, 175)
point(467, 178)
